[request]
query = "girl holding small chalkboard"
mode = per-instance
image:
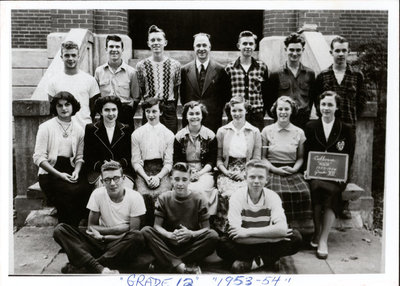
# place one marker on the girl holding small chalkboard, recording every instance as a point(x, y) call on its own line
point(327, 134)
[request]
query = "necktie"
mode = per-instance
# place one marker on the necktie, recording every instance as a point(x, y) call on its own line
point(202, 76)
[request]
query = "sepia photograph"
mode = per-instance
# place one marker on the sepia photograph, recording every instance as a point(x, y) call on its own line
point(200, 142)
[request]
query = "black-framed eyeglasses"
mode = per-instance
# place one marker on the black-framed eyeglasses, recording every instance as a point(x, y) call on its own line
point(116, 179)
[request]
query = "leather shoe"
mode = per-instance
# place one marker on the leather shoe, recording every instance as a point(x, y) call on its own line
point(322, 255)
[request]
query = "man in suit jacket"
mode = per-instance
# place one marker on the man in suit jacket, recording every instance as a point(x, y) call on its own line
point(206, 81)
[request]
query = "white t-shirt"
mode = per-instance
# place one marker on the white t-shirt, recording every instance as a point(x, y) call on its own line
point(82, 86)
point(111, 213)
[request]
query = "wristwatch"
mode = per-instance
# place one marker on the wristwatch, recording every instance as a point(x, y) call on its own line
point(103, 238)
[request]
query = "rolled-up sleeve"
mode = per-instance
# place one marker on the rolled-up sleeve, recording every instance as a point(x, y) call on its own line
point(136, 157)
point(135, 94)
point(79, 149)
point(257, 145)
point(220, 139)
point(169, 150)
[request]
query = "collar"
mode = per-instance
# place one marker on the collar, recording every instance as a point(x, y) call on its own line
point(246, 126)
point(151, 127)
point(290, 127)
point(349, 69)
point(285, 67)
point(203, 132)
point(253, 63)
point(205, 64)
point(121, 67)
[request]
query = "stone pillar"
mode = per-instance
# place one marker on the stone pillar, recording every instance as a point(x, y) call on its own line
point(361, 170)
point(28, 114)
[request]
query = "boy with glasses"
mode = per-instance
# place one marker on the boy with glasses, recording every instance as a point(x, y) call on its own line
point(112, 238)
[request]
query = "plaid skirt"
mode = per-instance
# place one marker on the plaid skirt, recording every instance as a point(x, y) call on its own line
point(295, 194)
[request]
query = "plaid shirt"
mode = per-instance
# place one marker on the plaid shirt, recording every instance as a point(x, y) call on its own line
point(352, 91)
point(249, 85)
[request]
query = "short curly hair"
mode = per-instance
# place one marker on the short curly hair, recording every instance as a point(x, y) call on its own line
point(193, 104)
point(69, 45)
point(111, 166)
point(236, 100)
point(100, 102)
point(338, 101)
point(65, 95)
point(294, 38)
point(286, 99)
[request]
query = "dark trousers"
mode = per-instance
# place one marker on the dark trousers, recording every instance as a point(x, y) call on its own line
point(168, 117)
point(169, 255)
point(125, 115)
point(85, 251)
point(256, 119)
point(269, 252)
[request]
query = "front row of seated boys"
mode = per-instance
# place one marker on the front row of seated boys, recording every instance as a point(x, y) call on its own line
point(181, 236)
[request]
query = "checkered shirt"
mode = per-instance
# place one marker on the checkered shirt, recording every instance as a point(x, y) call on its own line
point(352, 90)
point(249, 85)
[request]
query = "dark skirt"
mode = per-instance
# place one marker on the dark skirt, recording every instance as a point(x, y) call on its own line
point(327, 194)
point(70, 199)
point(152, 168)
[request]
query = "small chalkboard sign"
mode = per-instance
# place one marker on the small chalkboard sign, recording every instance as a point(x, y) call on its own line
point(327, 166)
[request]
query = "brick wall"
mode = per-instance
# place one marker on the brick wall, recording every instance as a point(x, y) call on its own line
point(111, 21)
point(360, 26)
point(279, 22)
point(64, 20)
point(356, 25)
point(30, 28)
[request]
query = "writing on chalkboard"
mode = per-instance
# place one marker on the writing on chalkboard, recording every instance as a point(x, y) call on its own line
point(327, 166)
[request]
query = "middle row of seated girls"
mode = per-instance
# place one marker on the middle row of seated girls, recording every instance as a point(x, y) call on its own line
point(147, 154)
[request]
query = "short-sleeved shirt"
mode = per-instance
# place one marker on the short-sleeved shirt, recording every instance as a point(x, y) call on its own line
point(122, 83)
point(244, 213)
point(159, 79)
point(82, 86)
point(111, 213)
point(282, 143)
point(191, 211)
point(248, 84)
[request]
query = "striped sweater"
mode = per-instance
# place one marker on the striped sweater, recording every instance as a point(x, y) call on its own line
point(244, 213)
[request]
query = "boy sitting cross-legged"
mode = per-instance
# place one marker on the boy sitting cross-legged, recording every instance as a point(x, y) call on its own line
point(181, 231)
point(112, 238)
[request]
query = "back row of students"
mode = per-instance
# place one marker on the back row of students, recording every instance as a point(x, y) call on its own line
point(207, 81)
point(150, 151)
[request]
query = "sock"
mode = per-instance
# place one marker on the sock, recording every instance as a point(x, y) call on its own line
point(257, 263)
